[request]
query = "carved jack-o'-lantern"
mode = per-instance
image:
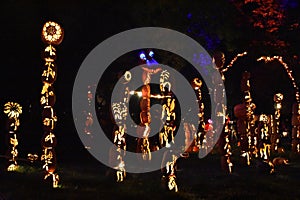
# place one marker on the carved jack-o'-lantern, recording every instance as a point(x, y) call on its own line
point(49, 118)
point(13, 124)
point(49, 158)
point(264, 118)
point(196, 83)
point(48, 97)
point(145, 117)
point(49, 140)
point(146, 91)
point(278, 97)
point(145, 104)
point(49, 54)
point(49, 73)
point(52, 33)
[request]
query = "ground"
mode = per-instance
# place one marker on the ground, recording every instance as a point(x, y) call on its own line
point(196, 178)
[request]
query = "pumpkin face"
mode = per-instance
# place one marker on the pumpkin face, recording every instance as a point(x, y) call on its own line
point(48, 97)
point(49, 118)
point(52, 33)
point(49, 54)
point(49, 73)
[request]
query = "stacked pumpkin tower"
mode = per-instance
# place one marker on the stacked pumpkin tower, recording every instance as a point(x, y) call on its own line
point(13, 111)
point(52, 34)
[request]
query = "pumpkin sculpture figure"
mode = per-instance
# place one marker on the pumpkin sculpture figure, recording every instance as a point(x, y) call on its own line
point(13, 111)
point(52, 34)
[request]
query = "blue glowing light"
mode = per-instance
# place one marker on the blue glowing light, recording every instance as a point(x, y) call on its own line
point(143, 56)
point(151, 54)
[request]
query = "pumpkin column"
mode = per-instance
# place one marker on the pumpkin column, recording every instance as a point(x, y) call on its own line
point(52, 34)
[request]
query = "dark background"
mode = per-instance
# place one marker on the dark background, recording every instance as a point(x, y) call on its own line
point(217, 25)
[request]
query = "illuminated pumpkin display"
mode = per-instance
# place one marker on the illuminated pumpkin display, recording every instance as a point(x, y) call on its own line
point(164, 83)
point(52, 34)
point(13, 111)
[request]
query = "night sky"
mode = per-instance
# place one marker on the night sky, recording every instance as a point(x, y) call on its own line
point(88, 23)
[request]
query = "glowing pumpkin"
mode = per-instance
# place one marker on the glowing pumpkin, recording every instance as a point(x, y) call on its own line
point(49, 140)
point(146, 91)
point(49, 118)
point(48, 97)
point(145, 117)
point(49, 54)
point(278, 97)
point(49, 73)
point(145, 104)
point(52, 33)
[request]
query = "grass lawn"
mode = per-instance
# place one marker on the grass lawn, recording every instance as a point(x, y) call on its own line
point(196, 179)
